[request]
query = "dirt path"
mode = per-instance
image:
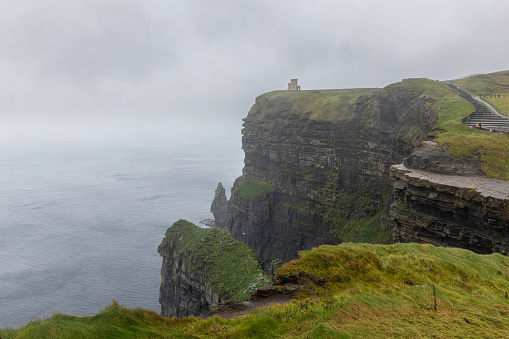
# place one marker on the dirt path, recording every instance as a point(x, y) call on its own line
point(263, 297)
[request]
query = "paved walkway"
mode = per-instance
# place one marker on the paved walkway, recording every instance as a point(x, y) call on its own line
point(490, 107)
point(486, 187)
point(485, 115)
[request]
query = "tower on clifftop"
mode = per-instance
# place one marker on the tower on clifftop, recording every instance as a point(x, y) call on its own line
point(292, 85)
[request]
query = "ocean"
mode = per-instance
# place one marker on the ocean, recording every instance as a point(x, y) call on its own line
point(80, 223)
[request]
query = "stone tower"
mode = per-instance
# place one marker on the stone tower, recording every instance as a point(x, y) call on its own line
point(292, 85)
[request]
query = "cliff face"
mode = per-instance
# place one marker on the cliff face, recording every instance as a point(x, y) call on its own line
point(431, 205)
point(184, 291)
point(326, 156)
point(202, 267)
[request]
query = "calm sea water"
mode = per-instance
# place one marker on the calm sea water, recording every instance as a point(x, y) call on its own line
point(80, 224)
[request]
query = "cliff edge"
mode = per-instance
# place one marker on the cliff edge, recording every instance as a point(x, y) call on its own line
point(202, 267)
point(439, 199)
point(318, 165)
point(325, 157)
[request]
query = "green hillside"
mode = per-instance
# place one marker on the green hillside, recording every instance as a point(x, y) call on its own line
point(348, 291)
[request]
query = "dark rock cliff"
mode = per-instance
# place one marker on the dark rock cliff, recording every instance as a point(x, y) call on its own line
point(202, 267)
point(322, 167)
point(326, 157)
point(219, 207)
point(440, 200)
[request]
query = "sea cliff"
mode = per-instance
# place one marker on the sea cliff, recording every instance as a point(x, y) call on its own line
point(326, 156)
point(202, 267)
point(363, 165)
point(318, 168)
point(470, 212)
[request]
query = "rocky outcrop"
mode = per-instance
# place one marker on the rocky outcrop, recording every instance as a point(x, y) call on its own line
point(326, 156)
point(202, 267)
point(432, 158)
point(219, 207)
point(470, 212)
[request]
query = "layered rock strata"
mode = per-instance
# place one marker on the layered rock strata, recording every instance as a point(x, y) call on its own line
point(202, 267)
point(451, 210)
point(326, 156)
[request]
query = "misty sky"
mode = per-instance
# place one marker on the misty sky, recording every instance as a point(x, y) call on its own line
point(98, 68)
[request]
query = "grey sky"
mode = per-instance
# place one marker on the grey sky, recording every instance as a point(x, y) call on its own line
point(105, 67)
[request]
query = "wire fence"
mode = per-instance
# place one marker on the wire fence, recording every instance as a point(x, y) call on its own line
point(471, 75)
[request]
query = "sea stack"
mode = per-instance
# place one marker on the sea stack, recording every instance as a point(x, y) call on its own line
point(220, 207)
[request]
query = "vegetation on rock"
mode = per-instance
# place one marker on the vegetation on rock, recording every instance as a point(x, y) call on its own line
point(252, 188)
point(367, 230)
point(230, 266)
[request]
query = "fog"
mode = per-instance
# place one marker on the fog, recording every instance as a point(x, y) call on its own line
point(132, 70)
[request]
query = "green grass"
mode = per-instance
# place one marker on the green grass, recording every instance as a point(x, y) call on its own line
point(315, 105)
point(113, 322)
point(248, 189)
point(491, 83)
point(350, 291)
point(229, 265)
point(500, 104)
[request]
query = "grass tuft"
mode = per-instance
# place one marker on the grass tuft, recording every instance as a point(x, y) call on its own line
point(248, 189)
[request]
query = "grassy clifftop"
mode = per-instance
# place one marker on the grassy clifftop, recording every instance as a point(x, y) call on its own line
point(489, 84)
point(459, 140)
point(349, 291)
point(315, 104)
point(334, 105)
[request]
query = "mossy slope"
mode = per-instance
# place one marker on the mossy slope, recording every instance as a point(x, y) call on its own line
point(229, 265)
point(351, 291)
